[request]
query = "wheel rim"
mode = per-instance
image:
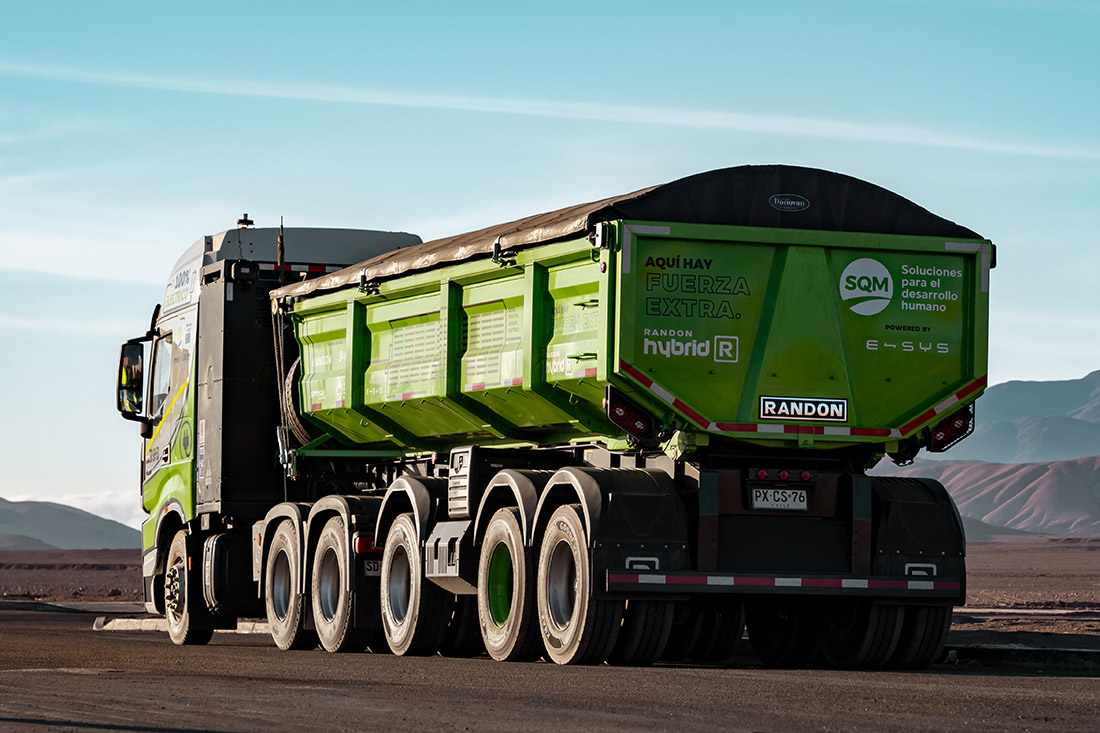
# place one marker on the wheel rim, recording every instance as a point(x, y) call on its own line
point(174, 591)
point(329, 585)
point(500, 584)
point(561, 585)
point(399, 584)
point(280, 585)
point(843, 619)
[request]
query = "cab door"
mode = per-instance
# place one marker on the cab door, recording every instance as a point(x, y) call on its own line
point(167, 463)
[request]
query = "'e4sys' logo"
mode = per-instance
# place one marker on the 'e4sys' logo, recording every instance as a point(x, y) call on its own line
point(867, 286)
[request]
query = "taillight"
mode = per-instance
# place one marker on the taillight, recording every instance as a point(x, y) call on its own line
point(627, 416)
point(784, 475)
point(363, 544)
point(951, 430)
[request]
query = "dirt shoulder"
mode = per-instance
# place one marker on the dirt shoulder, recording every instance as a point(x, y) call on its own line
point(71, 575)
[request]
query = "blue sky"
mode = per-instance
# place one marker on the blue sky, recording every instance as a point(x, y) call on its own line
point(130, 129)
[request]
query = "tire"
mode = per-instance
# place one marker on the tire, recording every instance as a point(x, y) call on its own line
point(412, 609)
point(683, 638)
point(857, 633)
point(780, 632)
point(644, 633)
point(576, 627)
point(722, 626)
point(923, 635)
point(506, 591)
point(284, 599)
point(462, 637)
point(187, 622)
point(333, 601)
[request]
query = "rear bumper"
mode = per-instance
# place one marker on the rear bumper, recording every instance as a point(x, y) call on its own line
point(685, 582)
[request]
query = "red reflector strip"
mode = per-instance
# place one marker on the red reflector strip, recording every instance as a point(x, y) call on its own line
point(315, 407)
point(517, 382)
point(477, 386)
point(754, 581)
point(686, 579)
point(928, 415)
point(590, 372)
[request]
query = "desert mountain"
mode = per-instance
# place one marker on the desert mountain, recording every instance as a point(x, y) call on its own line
point(1025, 422)
point(1060, 498)
point(28, 525)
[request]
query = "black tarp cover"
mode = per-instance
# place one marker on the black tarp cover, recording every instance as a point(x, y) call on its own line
point(744, 196)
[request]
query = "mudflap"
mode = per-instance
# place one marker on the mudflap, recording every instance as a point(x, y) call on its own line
point(641, 532)
point(917, 531)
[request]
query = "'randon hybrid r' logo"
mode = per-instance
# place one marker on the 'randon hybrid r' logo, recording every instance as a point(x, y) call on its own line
point(868, 285)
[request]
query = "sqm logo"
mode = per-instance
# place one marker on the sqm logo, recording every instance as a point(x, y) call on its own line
point(867, 283)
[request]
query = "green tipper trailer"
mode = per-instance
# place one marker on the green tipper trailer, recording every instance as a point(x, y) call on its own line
point(616, 431)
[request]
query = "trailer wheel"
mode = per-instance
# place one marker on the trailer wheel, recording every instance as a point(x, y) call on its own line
point(184, 624)
point(506, 591)
point(576, 627)
point(857, 633)
point(723, 625)
point(412, 609)
point(687, 625)
point(923, 635)
point(332, 601)
point(283, 596)
point(644, 633)
point(780, 632)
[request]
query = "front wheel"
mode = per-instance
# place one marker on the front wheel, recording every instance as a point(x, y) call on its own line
point(577, 627)
point(186, 624)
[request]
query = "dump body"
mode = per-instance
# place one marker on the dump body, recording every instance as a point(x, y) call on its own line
point(614, 431)
point(780, 337)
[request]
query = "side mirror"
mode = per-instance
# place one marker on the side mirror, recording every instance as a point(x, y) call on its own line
point(130, 381)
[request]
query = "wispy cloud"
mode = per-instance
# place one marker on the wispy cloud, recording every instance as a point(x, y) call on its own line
point(51, 130)
point(791, 126)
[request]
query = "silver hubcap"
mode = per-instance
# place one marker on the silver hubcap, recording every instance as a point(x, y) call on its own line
point(561, 585)
point(280, 586)
point(399, 584)
point(329, 584)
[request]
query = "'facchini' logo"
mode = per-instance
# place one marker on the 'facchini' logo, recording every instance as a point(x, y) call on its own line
point(867, 283)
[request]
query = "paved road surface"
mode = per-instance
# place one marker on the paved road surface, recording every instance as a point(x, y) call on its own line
point(57, 674)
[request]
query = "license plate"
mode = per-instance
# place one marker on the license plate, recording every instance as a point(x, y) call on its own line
point(372, 568)
point(784, 499)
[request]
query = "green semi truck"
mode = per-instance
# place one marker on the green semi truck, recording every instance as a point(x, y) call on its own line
point(620, 431)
